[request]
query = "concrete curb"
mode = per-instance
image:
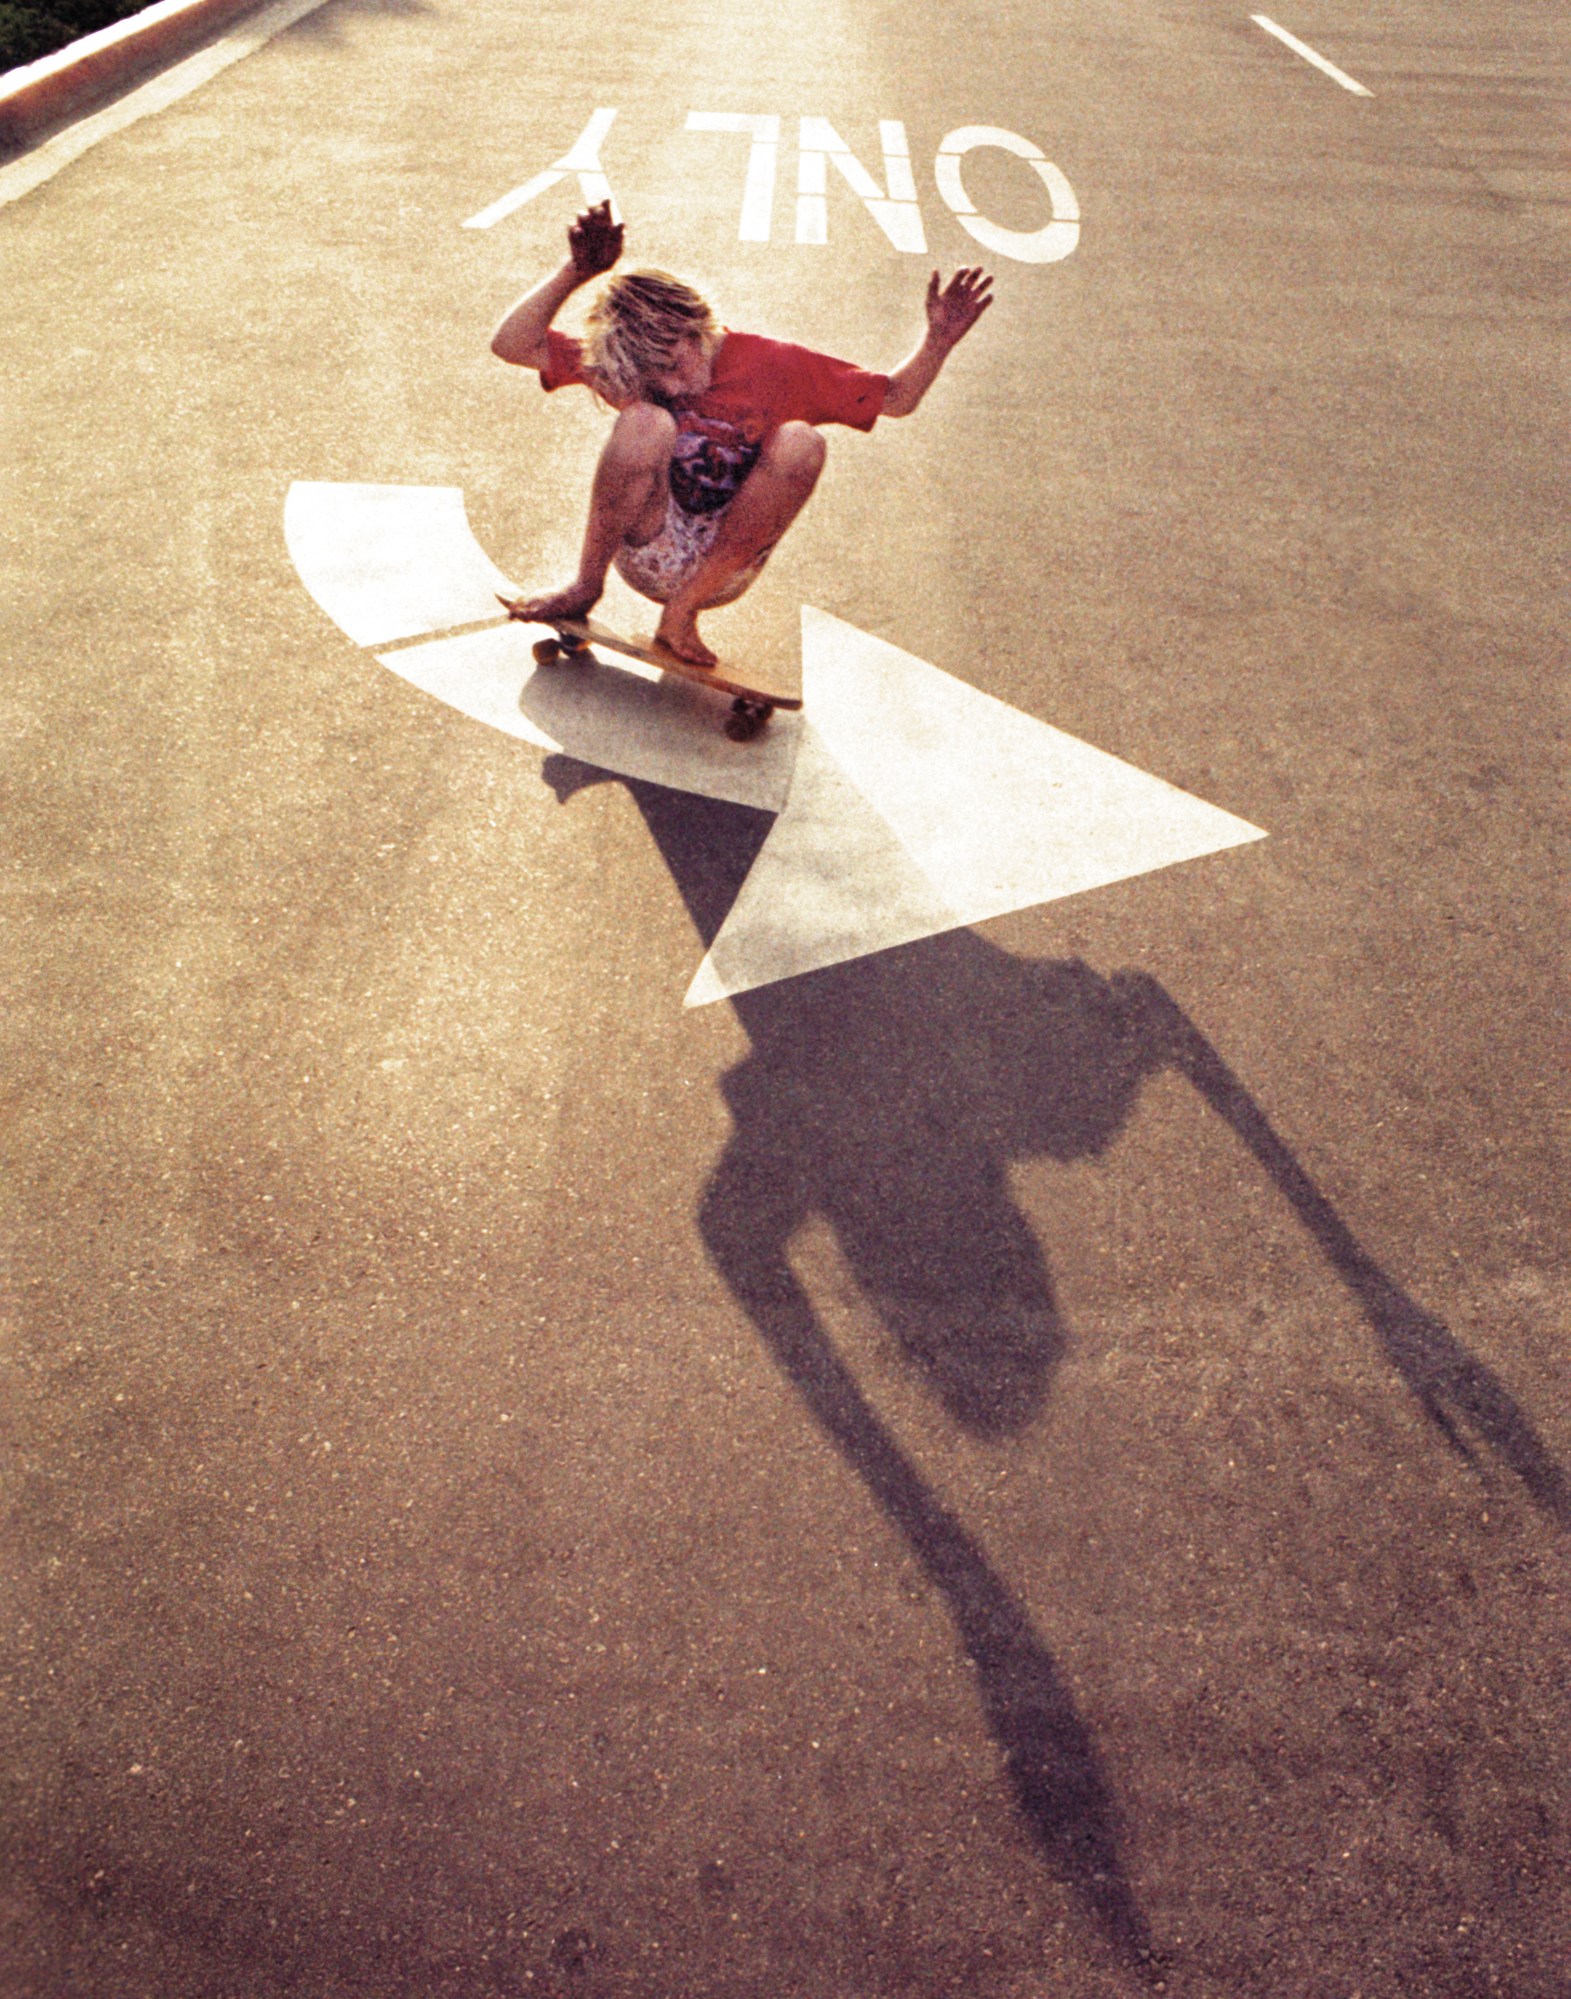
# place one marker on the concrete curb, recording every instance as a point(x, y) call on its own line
point(43, 95)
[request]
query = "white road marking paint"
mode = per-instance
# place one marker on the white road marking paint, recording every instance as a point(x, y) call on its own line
point(1310, 55)
point(832, 882)
point(615, 718)
point(1054, 240)
point(479, 675)
point(909, 802)
point(894, 207)
point(32, 168)
point(394, 563)
point(920, 804)
point(896, 213)
point(390, 562)
point(758, 190)
point(581, 158)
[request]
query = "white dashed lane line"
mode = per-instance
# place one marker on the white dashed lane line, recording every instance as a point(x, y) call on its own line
point(1310, 55)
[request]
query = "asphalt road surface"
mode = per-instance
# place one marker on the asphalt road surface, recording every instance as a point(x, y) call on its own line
point(1031, 1463)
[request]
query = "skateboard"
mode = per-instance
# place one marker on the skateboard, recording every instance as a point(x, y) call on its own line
point(753, 699)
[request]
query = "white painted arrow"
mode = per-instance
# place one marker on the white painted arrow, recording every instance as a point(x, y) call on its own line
point(393, 563)
point(909, 802)
point(390, 562)
point(920, 804)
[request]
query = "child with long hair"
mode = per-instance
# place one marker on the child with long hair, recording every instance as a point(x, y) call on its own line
point(715, 447)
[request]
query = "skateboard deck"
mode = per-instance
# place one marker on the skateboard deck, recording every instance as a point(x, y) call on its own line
point(754, 697)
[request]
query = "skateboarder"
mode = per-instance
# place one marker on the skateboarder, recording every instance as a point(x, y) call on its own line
point(714, 450)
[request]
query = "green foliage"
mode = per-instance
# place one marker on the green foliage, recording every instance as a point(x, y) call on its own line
point(29, 30)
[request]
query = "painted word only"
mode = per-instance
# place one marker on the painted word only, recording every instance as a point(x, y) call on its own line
point(892, 203)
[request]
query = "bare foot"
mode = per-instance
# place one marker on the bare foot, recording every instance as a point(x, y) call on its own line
point(678, 633)
point(576, 601)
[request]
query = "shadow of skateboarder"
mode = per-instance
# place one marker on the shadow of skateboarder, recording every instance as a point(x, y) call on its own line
point(889, 1099)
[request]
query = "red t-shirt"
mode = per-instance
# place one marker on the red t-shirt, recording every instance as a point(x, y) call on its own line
point(756, 386)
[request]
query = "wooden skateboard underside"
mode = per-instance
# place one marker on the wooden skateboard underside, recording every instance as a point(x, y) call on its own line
point(752, 701)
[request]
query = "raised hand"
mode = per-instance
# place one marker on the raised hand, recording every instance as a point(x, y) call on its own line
point(953, 309)
point(595, 240)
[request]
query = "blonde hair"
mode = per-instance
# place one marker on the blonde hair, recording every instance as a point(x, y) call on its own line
point(635, 327)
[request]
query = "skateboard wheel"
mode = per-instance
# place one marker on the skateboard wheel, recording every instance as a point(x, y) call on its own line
point(570, 644)
point(747, 718)
point(546, 651)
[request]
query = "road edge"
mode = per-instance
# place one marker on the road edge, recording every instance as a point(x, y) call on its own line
point(40, 97)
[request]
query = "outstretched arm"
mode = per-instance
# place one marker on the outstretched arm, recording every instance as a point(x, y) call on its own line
point(594, 243)
point(952, 311)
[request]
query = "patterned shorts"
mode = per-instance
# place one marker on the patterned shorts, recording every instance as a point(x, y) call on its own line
point(657, 569)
